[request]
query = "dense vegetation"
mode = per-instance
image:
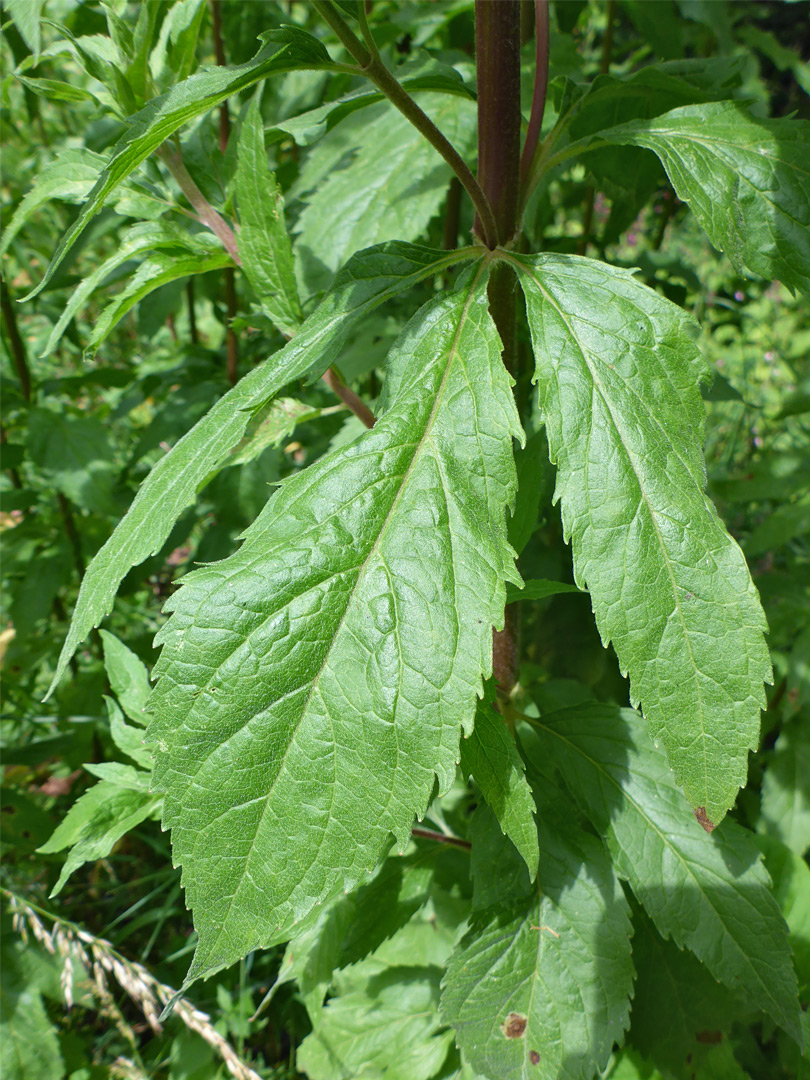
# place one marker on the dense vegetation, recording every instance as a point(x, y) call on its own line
point(405, 322)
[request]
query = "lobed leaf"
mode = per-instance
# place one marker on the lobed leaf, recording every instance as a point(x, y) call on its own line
point(313, 686)
point(364, 283)
point(618, 376)
point(710, 893)
point(746, 179)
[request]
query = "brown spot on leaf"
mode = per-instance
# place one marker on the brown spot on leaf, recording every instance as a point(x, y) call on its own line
point(534, 1057)
point(703, 818)
point(514, 1026)
point(709, 1038)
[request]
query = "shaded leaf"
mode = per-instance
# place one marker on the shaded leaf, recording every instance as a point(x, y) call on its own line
point(490, 756)
point(540, 985)
point(538, 589)
point(96, 822)
point(618, 376)
point(709, 893)
point(74, 454)
point(786, 788)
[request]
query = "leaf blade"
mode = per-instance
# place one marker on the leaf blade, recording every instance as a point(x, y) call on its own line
point(340, 625)
point(618, 380)
point(367, 281)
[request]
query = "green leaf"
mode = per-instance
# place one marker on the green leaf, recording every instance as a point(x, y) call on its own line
point(25, 15)
point(159, 269)
point(287, 49)
point(791, 889)
point(128, 739)
point(786, 787)
point(331, 662)
point(490, 756)
point(29, 1047)
point(391, 183)
point(382, 1026)
point(367, 281)
point(96, 822)
point(618, 376)
point(264, 245)
point(74, 454)
point(174, 56)
point(539, 987)
point(355, 925)
point(788, 521)
point(709, 893)
point(128, 676)
point(135, 243)
point(55, 90)
point(745, 179)
point(69, 177)
point(538, 589)
point(677, 1005)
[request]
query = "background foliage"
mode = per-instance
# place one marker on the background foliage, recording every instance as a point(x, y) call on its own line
point(147, 321)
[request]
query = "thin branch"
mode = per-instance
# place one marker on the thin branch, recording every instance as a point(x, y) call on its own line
point(72, 532)
point(348, 397)
point(540, 91)
point(378, 73)
point(441, 838)
point(202, 207)
point(18, 352)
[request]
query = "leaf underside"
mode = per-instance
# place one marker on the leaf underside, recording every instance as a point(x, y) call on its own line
point(314, 685)
point(618, 377)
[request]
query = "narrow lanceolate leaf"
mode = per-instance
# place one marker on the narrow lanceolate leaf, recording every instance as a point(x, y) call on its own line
point(282, 50)
point(490, 756)
point(710, 893)
point(264, 245)
point(746, 179)
point(366, 281)
point(313, 686)
point(159, 269)
point(539, 988)
point(618, 377)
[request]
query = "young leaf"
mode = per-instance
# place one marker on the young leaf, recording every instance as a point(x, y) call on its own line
point(393, 184)
point(538, 589)
point(312, 686)
point(128, 739)
point(490, 756)
point(539, 988)
point(367, 281)
point(264, 245)
point(145, 237)
point(96, 822)
point(128, 676)
point(710, 893)
point(287, 49)
point(159, 269)
point(618, 377)
point(25, 15)
point(745, 179)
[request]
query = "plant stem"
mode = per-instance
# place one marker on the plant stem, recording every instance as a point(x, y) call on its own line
point(192, 315)
point(538, 95)
point(71, 532)
point(231, 344)
point(452, 212)
point(441, 838)
point(202, 207)
point(18, 351)
point(348, 397)
point(497, 49)
point(374, 69)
